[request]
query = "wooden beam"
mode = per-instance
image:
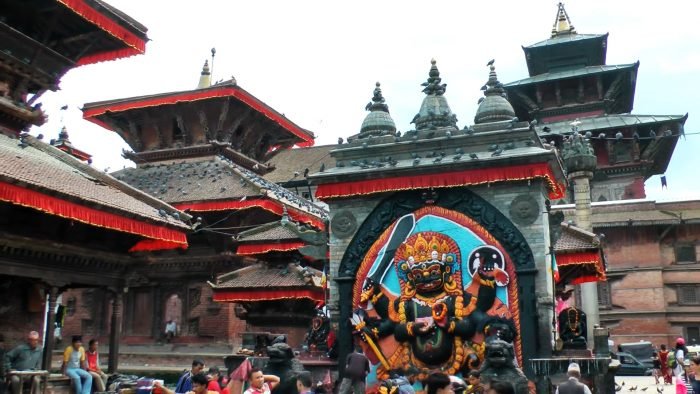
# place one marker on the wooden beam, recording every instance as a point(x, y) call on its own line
point(49, 329)
point(222, 119)
point(134, 132)
point(115, 331)
point(203, 122)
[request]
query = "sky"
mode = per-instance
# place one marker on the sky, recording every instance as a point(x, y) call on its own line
point(317, 62)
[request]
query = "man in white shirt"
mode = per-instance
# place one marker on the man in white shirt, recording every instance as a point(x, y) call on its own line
point(170, 330)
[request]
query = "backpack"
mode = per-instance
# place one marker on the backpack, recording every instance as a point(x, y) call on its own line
point(671, 360)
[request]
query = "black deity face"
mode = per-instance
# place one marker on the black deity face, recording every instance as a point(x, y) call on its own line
point(428, 276)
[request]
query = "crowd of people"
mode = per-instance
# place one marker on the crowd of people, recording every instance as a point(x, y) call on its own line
point(83, 368)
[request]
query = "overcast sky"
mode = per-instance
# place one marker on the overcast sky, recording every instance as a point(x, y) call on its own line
point(317, 61)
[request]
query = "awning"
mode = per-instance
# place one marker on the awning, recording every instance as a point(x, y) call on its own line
point(251, 295)
point(159, 237)
point(446, 179)
point(133, 45)
point(262, 248)
point(580, 267)
point(266, 204)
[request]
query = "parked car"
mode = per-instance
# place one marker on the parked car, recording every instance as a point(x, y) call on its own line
point(642, 350)
point(631, 366)
point(693, 351)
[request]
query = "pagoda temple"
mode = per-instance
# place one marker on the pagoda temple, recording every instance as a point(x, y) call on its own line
point(66, 225)
point(206, 151)
point(568, 81)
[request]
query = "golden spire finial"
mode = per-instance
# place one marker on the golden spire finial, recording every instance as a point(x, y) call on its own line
point(562, 24)
point(205, 77)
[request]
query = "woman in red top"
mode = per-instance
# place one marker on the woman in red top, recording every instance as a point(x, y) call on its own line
point(665, 370)
point(214, 375)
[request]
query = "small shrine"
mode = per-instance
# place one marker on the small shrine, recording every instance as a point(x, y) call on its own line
point(439, 238)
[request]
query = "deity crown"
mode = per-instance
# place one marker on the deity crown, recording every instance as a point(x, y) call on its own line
point(421, 250)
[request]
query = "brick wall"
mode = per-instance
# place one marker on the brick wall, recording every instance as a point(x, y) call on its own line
point(21, 309)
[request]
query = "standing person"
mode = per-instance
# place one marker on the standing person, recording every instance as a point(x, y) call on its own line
point(680, 351)
point(573, 386)
point(214, 375)
point(260, 383)
point(75, 366)
point(438, 383)
point(356, 370)
point(170, 330)
point(656, 363)
point(93, 366)
point(25, 357)
point(663, 360)
point(695, 369)
point(475, 385)
point(497, 387)
point(304, 383)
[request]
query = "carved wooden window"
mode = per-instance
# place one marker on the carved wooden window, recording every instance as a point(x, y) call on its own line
point(688, 295)
point(622, 151)
point(685, 254)
point(604, 295)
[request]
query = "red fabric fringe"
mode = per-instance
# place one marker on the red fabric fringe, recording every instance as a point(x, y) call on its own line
point(268, 205)
point(247, 249)
point(448, 179)
point(148, 245)
point(247, 295)
point(70, 210)
point(204, 94)
point(135, 45)
point(581, 267)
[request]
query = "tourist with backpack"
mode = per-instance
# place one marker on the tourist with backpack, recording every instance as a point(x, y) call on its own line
point(666, 371)
point(676, 361)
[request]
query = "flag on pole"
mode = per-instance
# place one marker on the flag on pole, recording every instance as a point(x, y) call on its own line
point(555, 268)
point(324, 279)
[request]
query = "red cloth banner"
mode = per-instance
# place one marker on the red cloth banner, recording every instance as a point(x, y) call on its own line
point(203, 94)
point(70, 210)
point(134, 44)
point(266, 294)
point(268, 205)
point(446, 179)
point(247, 249)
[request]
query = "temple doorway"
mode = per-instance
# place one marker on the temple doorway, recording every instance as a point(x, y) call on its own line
point(173, 311)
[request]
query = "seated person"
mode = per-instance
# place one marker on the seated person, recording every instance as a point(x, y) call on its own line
point(93, 366)
point(170, 330)
point(75, 366)
point(25, 357)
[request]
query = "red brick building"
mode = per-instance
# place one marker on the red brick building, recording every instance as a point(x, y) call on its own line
point(651, 249)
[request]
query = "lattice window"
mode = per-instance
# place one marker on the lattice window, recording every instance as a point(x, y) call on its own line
point(685, 254)
point(692, 334)
point(688, 295)
point(604, 295)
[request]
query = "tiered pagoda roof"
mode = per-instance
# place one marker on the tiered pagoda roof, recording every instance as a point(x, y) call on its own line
point(163, 124)
point(40, 40)
point(41, 177)
point(570, 83)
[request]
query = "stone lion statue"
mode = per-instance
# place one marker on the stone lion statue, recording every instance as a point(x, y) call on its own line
point(283, 364)
point(499, 364)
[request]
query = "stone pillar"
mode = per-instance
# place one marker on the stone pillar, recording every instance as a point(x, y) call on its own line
point(589, 291)
point(115, 332)
point(345, 337)
point(49, 329)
